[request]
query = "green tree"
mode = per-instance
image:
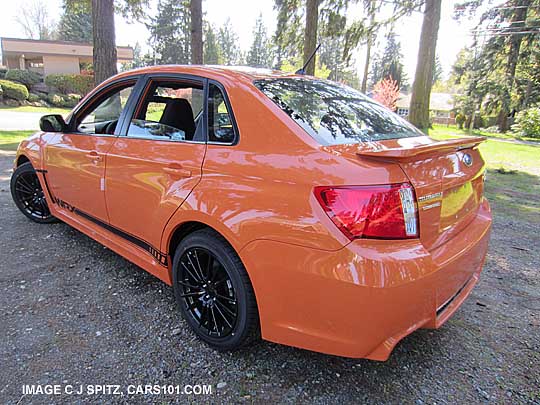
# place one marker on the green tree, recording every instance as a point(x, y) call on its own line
point(103, 31)
point(212, 50)
point(390, 64)
point(228, 41)
point(437, 71)
point(75, 23)
point(259, 55)
point(507, 58)
point(170, 32)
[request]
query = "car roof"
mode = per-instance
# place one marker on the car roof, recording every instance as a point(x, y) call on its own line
point(242, 73)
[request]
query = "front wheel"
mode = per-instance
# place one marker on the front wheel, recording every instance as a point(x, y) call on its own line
point(28, 195)
point(214, 292)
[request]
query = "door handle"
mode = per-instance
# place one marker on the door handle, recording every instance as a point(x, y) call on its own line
point(94, 156)
point(177, 171)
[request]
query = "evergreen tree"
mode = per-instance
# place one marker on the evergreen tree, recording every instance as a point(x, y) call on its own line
point(228, 41)
point(259, 54)
point(75, 23)
point(212, 51)
point(170, 32)
point(389, 63)
point(437, 71)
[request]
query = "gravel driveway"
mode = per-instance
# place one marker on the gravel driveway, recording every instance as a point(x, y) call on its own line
point(73, 312)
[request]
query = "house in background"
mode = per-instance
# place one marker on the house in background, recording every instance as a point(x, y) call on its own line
point(47, 57)
point(440, 107)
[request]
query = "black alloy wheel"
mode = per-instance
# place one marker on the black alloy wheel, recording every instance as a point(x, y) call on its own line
point(28, 195)
point(214, 292)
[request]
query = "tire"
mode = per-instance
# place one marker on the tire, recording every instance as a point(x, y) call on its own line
point(208, 294)
point(28, 195)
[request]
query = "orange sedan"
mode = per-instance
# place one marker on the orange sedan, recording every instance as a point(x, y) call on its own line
point(276, 205)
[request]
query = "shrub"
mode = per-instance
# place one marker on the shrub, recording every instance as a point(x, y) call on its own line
point(26, 77)
point(3, 71)
point(60, 100)
point(33, 97)
point(460, 120)
point(55, 99)
point(14, 90)
point(528, 122)
point(70, 83)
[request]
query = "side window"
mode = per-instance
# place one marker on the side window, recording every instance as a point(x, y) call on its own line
point(220, 127)
point(103, 117)
point(171, 110)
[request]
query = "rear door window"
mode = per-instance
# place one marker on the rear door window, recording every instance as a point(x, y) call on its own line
point(335, 114)
point(220, 121)
point(171, 110)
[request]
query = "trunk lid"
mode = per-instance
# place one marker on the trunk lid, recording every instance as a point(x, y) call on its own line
point(447, 177)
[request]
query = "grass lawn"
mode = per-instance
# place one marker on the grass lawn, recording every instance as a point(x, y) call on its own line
point(513, 180)
point(443, 129)
point(43, 110)
point(9, 140)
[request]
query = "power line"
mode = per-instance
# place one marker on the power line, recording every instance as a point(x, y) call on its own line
point(500, 34)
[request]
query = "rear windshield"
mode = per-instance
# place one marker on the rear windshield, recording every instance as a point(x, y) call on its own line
point(334, 114)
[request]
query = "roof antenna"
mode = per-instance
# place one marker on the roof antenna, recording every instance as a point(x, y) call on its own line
point(303, 70)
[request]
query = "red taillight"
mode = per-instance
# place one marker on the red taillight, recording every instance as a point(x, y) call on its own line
point(382, 212)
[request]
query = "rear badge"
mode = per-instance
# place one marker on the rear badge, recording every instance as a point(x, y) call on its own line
point(467, 159)
point(424, 200)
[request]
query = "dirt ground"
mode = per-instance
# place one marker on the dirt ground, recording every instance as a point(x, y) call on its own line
point(73, 312)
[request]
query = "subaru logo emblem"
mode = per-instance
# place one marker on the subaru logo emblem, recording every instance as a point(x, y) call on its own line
point(467, 159)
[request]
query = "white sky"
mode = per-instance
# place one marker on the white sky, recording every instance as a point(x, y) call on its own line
point(243, 13)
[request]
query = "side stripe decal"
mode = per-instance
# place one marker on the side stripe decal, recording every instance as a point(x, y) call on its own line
point(156, 253)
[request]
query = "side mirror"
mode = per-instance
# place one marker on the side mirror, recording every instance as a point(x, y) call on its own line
point(52, 123)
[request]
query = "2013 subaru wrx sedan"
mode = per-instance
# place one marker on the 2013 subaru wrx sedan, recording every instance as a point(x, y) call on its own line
point(276, 205)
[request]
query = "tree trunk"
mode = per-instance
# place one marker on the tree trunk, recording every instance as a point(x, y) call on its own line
point(517, 23)
point(371, 11)
point(310, 35)
point(196, 32)
point(421, 90)
point(105, 57)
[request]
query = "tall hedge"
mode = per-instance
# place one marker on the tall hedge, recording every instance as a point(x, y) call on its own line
point(70, 83)
point(14, 90)
point(26, 77)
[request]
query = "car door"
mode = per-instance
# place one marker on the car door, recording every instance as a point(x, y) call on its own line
point(75, 160)
point(156, 162)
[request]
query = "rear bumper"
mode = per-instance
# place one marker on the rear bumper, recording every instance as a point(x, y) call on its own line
point(360, 301)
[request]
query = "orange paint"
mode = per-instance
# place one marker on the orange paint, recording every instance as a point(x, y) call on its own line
point(315, 288)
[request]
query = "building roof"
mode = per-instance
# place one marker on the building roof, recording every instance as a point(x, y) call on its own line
point(437, 102)
point(38, 47)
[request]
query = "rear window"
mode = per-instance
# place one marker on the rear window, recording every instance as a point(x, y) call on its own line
point(334, 114)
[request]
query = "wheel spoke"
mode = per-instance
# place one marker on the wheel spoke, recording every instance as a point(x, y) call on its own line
point(223, 306)
point(215, 322)
point(209, 268)
point(189, 285)
point(231, 300)
point(211, 305)
point(223, 316)
point(197, 279)
point(23, 188)
point(194, 268)
point(192, 294)
point(199, 265)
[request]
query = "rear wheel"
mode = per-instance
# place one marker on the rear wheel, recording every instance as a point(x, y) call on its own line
point(214, 292)
point(28, 194)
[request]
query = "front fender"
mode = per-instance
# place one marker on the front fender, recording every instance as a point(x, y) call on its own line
point(32, 149)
